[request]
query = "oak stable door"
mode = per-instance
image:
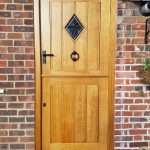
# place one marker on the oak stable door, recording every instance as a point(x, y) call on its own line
point(75, 74)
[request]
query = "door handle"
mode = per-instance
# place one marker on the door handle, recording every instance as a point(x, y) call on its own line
point(44, 55)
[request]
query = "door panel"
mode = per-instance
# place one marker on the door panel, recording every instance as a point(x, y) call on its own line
point(74, 111)
point(75, 93)
point(60, 43)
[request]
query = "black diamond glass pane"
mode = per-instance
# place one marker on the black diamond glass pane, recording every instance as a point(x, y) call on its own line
point(74, 27)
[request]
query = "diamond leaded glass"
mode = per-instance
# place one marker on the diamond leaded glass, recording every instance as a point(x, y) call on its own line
point(74, 27)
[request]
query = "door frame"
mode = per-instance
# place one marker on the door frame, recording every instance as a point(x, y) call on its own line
point(38, 87)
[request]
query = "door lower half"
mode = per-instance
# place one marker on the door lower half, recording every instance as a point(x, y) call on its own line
point(75, 74)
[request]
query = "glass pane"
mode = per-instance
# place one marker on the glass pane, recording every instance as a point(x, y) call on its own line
point(74, 27)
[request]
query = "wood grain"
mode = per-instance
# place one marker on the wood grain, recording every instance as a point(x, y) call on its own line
point(76, 94)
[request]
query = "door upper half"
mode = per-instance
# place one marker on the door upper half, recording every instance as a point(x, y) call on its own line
point(77, 34)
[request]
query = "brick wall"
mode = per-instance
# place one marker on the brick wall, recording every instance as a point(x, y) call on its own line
point(132, 110)
point(16, 74)
point(132, 115)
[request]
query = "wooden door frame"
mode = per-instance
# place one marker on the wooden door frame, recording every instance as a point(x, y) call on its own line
point(38, 88)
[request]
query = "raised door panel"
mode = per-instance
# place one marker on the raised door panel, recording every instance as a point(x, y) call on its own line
point(89, 44)
point(75, 112)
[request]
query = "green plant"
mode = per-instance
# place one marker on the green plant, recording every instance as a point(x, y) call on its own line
point(146, 64)
point(145, 71)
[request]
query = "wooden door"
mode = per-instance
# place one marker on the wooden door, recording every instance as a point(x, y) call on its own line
point(75, 81)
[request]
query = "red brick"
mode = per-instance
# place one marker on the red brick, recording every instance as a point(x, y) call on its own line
point(16, 133)
point(24, 57)
point(2, 35)
point(23, 43)
point(140, 19)
point(15, 105)
point(28, 21)
point(23, 15)
point(28, 36)
point(138, 138)
point(16, 77)
point(5, 57)
point(8, 126)
point(23, 1)
point(5, 14)
point(138, 41)
point(138, 132)
point(2, 6)
point(15, 50)
point(29, 63)
point(14, 36)
point(17, 146)
point(3, 63)
point(14, 21)
point(3, 77)
point(6, 43)
point(5, 1)
point(30, 146)
point(138, 107)
point(16, 91)
point(5, 29)
point(3, 133)
point(138, 27)
point(6, 70)
point(23, 29)
point(27, 139)
point(2, 21)
point(8, 139)
point(140, 34)
point(129, 20)
point(8, 112)
point(16, 64)
point(29, 50)
point(17, 120)
point(28, 7)
point(24, 84)
point(13, 7)
point(138, 144)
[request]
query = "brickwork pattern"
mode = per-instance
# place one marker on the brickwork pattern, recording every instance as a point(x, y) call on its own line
point(16, 75)
point(132, 96)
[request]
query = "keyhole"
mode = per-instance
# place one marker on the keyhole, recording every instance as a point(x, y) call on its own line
point(44, 104)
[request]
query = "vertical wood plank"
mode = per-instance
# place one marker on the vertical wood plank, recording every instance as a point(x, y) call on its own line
point(46, 30)
point(56, 36)
point(46, 92)
point(104, 36)
point(93, 36)
point(112, 42)
point(68, 114)
point(56, 114)
point(103, 113)
point(92, 113)
point(81, 43)
point(80, 114)
point(38, 88)
point(68, 45)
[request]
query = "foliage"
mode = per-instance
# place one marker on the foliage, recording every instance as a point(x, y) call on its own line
point(145, 72)
point(146, 64)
